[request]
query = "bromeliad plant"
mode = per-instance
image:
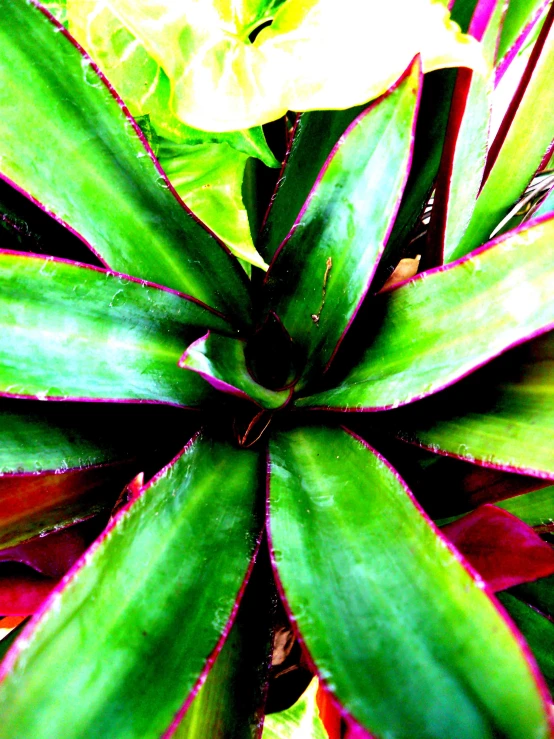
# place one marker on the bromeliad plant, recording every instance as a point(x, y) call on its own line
point(405, 636)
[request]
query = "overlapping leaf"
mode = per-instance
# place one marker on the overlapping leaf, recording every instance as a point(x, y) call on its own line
point(351, 548)
point(521, 18)
point(70, 144)
point(535, 508)
point(71, 331)
point(323, 269)
point(183, 547)
point(222, 82)
point(444, 324)
point(221, 361)
point(464, 155)
point(502, 416)
point(538, 631)
point(519, 146)
point(502, 549)
point(207, 170)
point(231, 701)
point(313, 138)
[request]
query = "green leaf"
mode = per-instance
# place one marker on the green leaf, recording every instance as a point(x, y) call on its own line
point(432, 119)
point(300, 721)
point(440, 325)
point(70, 331)
point(352, 548)
point(516, 153)
point(95, 173)
point(209, 179)
point(535, 508)
point(207, 170)
point(323, 269)
point(38, 437)
point(231, 701)
point(519, 15)
point(142, 82)
point(314, 137)
point(502, 416)
point(221, 361)
point(222, 82)
point(538, 632)
point(464, 156)
point(176, 559)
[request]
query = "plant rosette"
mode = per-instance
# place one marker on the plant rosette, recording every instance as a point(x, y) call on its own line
point(250, 422)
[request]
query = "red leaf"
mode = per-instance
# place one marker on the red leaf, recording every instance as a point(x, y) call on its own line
point(329, 713)
point(22, 594)
point(504, 550)
point(50, 555)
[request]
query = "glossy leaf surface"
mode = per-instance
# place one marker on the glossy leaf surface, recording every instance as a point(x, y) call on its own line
point(441, 325)
point(502, 416)
point(518, 150)
point(501, 548)
point(77, 332)
point(464, 156)
point(221, 361)
point(231, 701)
point(314, 137)
point(300, 721)
point(322, 271)
point(95, 173)
point(191, 536)
point(352, 548)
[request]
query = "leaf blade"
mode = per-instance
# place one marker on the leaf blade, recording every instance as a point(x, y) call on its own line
point(159, 660)
point(325, 500)
point(501, 417)
point(502, 549)
point(464, 155)
point(314, 137)
point(100, 335)
point(118, 194)
point(219, 710)
point(414, 354)
point(336, 241)
point(511, 164)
